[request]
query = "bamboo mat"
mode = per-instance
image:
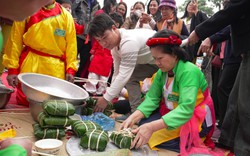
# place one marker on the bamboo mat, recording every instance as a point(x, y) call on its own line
point(22, 123)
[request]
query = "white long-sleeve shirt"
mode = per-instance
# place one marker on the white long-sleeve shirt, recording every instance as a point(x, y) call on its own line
point(132, 50)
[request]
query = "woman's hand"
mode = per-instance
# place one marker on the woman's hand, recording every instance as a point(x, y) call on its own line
point(145, 131)
point(143, 134)
point(132, 119)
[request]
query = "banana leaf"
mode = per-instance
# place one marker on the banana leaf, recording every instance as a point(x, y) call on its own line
point(43, 133)
point(58, 108)
point(107, 112)
point(87, 111)
point(95, 140)
point(90, 105)
point(81, 127)
point(91, 102)
point(122, 138)
point(53, 121)
point(90, 111)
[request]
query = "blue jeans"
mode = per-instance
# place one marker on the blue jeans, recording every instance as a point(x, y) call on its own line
point(173, 145)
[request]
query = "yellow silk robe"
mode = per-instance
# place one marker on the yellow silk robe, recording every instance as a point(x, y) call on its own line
point(54, 35)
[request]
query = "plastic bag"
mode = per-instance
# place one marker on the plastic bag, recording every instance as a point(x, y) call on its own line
point(105, 122)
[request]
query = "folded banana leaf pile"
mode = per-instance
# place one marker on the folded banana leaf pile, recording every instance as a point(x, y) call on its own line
point(95, 140)
point(43, 133)
point(89, 109)
point(53, 121)
point(81, 127)
point(54, 118)
point(122, 138)
point(58, 108)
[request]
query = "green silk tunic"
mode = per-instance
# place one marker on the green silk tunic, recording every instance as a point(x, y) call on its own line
point(188, 86)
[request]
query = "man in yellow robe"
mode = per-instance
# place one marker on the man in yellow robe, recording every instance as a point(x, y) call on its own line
point(44, 43)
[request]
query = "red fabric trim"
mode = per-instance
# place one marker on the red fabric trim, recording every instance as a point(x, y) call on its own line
point(99, 12)
point(20, 96)
point(62, 58)
point(43, 14)
point(172, 40)
point(13, 71)
point(23, 56)
point(87, 39)
point(21, 59)
point(209, 142)
point(163, 108)
point(71, 71)
point(79, 28)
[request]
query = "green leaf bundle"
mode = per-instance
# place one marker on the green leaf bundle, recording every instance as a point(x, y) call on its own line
point(95, 140)
point(89, 109)
point(81, 127)
point(43, 133)
point(58, 108)
point(53, 121)
point(122, 138)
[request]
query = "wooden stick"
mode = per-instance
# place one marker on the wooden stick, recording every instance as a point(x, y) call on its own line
point(79, 79)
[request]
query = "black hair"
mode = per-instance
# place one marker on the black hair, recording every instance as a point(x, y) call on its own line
point(126, 7)
point(185, 15)
point(139, 2)
point(100, 24)
point(157, 16)
point(117, 18)
point(107, 5)
point(64, 1)
point(170, 48)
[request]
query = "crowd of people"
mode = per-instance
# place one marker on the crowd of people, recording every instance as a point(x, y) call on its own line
point(140, 59)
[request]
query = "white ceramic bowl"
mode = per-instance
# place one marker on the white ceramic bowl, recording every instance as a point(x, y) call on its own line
point(48, 146)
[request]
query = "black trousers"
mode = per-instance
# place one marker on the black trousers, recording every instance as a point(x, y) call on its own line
point(225, 85)
point(215, 79)
point(83, 49)
point(235, 128)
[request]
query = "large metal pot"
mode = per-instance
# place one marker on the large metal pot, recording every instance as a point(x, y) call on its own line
point(38, 88)
point(5, 94)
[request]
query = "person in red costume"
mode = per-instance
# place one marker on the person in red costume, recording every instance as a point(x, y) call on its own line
point(101, 63)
